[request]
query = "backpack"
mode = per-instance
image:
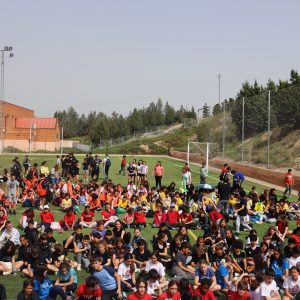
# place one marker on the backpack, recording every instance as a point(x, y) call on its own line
point(108, 163)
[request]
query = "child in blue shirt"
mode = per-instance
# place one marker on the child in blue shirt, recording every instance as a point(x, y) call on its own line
point(44, 288)
point(67, 278)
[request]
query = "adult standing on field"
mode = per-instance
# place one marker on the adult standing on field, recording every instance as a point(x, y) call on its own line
point(158, 173)
point(12, 191)
point(123, 165)
point(203, 173)
point(106, 166)
point(288, 181)
point(224, 190)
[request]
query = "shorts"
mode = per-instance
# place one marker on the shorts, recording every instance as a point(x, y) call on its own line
point(12, 197)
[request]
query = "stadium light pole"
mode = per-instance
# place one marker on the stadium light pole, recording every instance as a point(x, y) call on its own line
point(243, 127)
point(5, 49)
point(219, 76)
point(269, 127)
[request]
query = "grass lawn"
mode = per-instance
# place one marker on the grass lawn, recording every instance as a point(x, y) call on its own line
point(172, 167)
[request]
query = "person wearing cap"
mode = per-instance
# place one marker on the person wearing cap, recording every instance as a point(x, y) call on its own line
point(47, 217)
point(87, 218)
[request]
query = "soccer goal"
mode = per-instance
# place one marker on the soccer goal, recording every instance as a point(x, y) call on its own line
point(199, 152)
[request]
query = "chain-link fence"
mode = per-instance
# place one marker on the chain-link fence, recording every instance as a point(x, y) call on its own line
point(138, 135)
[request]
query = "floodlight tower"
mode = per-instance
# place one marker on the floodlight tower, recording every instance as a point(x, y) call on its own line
point(3, 51)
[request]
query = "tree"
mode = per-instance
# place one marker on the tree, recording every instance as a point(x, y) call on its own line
point(169, 113)
point(283, 84)
point(217, 109)
point(271, 85)
point(294, 77)
point(205, 111)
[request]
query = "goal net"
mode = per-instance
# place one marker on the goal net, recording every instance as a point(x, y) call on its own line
point(200, 152)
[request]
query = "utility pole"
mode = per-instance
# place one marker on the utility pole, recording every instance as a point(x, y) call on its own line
point(224, 114)
point(62, 141)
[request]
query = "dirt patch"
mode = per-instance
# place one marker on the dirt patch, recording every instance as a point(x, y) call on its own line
point(145, 147)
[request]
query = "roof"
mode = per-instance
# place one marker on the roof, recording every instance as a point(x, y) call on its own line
point(40, 123)
point(5, 102)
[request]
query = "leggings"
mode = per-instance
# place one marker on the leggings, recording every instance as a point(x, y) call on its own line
point(158, 181)
point(55, 291)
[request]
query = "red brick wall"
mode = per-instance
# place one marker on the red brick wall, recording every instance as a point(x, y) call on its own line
point(259, 173)
point(12, 112)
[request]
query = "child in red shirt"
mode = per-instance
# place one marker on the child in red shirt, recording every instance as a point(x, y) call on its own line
point(69, 220)
point(141, 292)
point(215, 216)
point(139, 217)
point(89, 290)
point(172, 217)
point(171, 293)
point(3, 220)
point(242, 292)
point(203, 290)
point(47, 217)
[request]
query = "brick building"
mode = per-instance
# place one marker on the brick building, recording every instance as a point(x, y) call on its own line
point(15, 124)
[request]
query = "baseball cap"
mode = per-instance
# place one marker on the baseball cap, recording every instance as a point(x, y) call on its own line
point(46, 206)
point(173, 205)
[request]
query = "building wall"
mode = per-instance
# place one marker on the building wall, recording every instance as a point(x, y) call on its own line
point(23, 145)
point(38, 135)
point(8, 131)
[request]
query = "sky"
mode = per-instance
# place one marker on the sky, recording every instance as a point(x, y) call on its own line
point(117, 55)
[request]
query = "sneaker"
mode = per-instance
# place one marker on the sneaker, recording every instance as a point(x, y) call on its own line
point(258, 222)
point(79, 267)
point(6, 273)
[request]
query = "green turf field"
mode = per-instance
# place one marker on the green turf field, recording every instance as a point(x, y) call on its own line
point(172, 173)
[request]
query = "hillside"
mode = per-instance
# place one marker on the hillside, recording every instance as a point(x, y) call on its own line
point(284, 152)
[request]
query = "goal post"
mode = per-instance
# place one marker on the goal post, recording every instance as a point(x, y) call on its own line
point(204, 150)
